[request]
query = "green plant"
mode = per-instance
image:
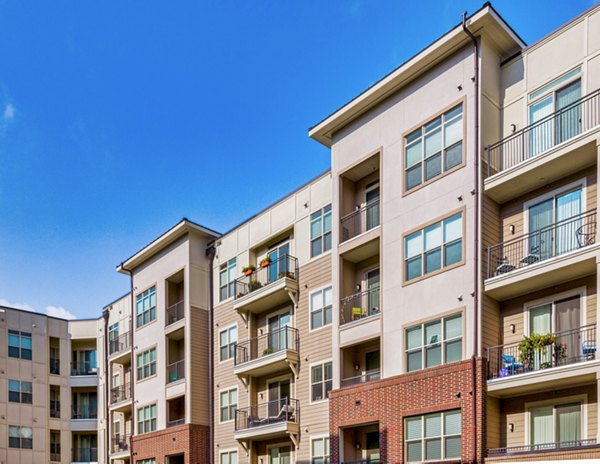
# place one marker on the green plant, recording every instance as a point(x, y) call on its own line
point(266, 261)
point(531, 347)
point(247, 270)
point(285, 274)
point(269, 350)
point(254, 285)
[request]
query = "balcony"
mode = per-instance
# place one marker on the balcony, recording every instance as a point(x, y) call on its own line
point(176, 371)
point(272, 419)
point(120, 443)
point(120, 394)
point(55, 409)
point(175, 313)
point(561, 143)
point(84, 455)
point(367, 376)
point(83, 368)
point(84, 412)
point(359, 221)
point(360, 306)
point(268, 353)
point(54, 366)
point(119, 346)
point(552, 254)
point(54, 452)
point(268, 286)
point(511, 451)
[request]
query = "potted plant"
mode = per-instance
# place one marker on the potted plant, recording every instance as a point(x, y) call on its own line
point(248, 270)
point(268, 350)
point(266, 261)
point(254, 285)
point(533, 347)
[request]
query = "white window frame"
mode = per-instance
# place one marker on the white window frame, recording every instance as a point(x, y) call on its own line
point(228, 452)
point(227, 330)
point(137, 366)
point(423, 439)
point(311, 309)
point(20, 391)
point(230, 412)
point(155, 418)
point(322, 232)
point(551, 299)
point(140, 297)
point(229, 267)
point(310, 382)
point(326, 458)
point(21, 437)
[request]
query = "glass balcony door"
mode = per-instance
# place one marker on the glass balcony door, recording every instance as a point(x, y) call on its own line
point(279, 263)
point(372, 206)
point(278, 338)
point(279, 396)
point(280, 455)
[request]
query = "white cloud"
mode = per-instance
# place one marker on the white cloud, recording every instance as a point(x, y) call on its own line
point(54, 311)
point(9, 112)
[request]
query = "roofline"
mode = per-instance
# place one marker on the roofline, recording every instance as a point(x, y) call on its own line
point(115, 300)
point(314, 131)
point(38, 313)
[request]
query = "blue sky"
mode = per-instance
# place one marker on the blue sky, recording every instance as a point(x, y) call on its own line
point(117, 119)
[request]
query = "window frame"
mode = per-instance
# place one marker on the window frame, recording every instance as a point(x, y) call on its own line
point(20, 437)
point(323, 382)
point(228, 453)
point(229, 267)
point(423, 438)
point(152, 426)
point(323, 310)
point(316, 216)
point(326, 458)
point(21, 351)
point(20, 393)
point(582, 399)
point(229, 346)
point(151, 364)
point(230, 407)
point(151, 311)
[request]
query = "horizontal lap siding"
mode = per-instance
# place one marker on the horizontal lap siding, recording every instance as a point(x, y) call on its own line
point(200, 377)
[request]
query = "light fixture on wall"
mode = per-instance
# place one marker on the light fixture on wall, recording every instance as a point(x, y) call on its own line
point(513, 127)
point(512, 328)
point(511, 427)
point(358, 287)
point(357, 445)
point(357, 367)
point(512, 229)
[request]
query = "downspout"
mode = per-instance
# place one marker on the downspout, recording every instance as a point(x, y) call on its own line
point(131, 379)
point(105, 315)
point(210, 252)
point(475, 192)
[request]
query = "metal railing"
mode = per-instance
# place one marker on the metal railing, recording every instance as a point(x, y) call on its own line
point(282, 267)
point(84, 368)
point(54, 453)
point(84, 412)
point(558, 127)
point(368, 376)
point(286, 338)
point(120, 442)
point(176, 422)
point(571, 346)
point(54, 366)
point(176, 371)
point(120, 393)
point(359, 221)
point(121, 343)
point(542, 447)
point(363, 461)
point(175, 313)
point(547, 242)
point(55, 409)
point(360, 305)
point(271, 412)
point(85, 454)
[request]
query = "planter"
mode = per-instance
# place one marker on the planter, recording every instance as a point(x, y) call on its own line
point(248, 272)
point(265, 263)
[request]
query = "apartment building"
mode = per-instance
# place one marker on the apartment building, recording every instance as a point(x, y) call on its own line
point(272, 332)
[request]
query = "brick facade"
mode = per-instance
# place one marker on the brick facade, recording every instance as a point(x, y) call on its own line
point(390, 400)
point(191, 440)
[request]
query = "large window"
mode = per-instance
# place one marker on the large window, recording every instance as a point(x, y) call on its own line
point(433, 437)
point(434, 247)
point(320, 231)
point(319, 451)
point(434, 343)
point(146, 364)
point(228, 457)
point(146, 419)
point(227, 279)
point(320, 308)
point(555, 424)
point(434, 148)
point(228, 404)
point(146, 461)
point(321, 381)
point(145, 307)
point(227, 343)
point(20, 437)
point(19, 391)
point(19, 344)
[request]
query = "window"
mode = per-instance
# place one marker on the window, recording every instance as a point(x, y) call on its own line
point(434, 148)
point(146, 364)
point(320, 451)
point(19, 344)
point(433, 436)
point(320, 231)
point(321, 381)
point(146, 461)
point(19, 391)
point(227, 343)
point(434, 247)
point(228, 457)
point(434, 343)
point(228, 404)
point(145, 307)
point(146, 419)
point(55, 445)
point(555, 424)
point(227, 279)
point(20, 437)
point(320, 308)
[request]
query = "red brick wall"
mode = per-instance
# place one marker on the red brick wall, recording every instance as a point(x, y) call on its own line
point(390, 400)
point(191, 440)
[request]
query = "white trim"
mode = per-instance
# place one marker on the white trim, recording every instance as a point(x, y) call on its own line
point(228, 390)
point(551, 299)
point(279, 312)
point(310, 366)
point(317, 437)
point(279, 378)
point(226, 329)
point(282, 444)
point(229, 451)
point(310, 293)
point(555, 87)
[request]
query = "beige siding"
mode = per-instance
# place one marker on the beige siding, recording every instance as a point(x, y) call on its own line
point(494, 436)
point(199, 382)
point(490, 322)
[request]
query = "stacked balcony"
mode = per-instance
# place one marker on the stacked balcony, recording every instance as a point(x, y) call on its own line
point(272, 419)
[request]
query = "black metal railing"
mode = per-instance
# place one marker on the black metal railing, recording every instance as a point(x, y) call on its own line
point(54, 452)
point(547, 242)
point(120, 393)
point(570, 347)
point(119, 344)
point(558, 127)
point(286, 338)
point(363, 461)
point(55, 409)
point(360, 305)
point(84, 412)
point(85, 454)
point(176, 371)
point(561, 445)
point(54, 366)
point(271, 412)
point(368, 376)
point(359, 221)
point(84, 368)
point(175, 313)
point(176, 422)
point(286, 266)
point(120, 442)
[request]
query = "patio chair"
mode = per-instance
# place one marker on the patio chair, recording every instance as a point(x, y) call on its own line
point(588, 349)
point(586, 234)
point(358, 313)
point(533, 256)
point(504, 266)
point(510, 364)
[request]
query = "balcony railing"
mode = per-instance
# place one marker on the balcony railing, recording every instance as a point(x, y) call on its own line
point(55, 409)
point(120, 443)
point(542, 244)
point(85, 455)
point(176, 422)
point(84, 412)
point(271, 412)
point(54, 366)
point(84, 368)
point(176, 371)
point(562, 445)
point(285, 338)
point(359, 221)
point(368, 376)
point(360, 305)
point(570, 347)
point(558, 127)
point(120, 393)
point(284, 266)
point(54, 452)
point(119, 344)
point(363, 461)
point(175, 313)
